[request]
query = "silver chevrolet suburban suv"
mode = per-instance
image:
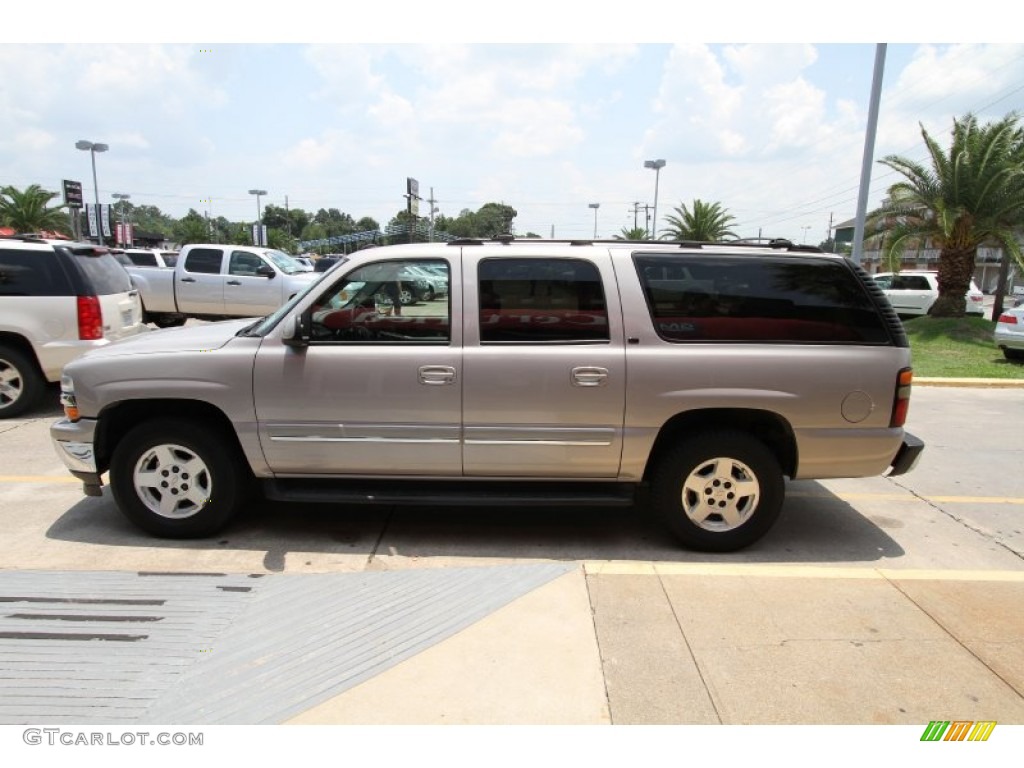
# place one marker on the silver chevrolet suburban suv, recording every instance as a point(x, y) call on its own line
point(555, 372)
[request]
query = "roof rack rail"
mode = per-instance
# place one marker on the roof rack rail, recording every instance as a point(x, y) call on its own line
point(25, 237)
point(745, 242)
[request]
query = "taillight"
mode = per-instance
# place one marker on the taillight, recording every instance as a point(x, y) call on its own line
point(901, 402)
point(1008, 319)
point(90, 318)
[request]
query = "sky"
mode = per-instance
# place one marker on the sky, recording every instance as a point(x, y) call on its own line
point(545, 107)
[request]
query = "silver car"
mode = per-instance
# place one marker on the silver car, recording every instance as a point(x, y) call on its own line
point(554, 373)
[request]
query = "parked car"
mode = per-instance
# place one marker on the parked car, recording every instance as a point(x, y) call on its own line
point(215, 282)
point(1009, 333)
point(433, 284)
point(327, 261)
point(152, 257)
point(566, 373)
point(58, 299)
point(913, 292)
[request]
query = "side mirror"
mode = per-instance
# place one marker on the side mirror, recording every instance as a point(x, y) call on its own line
point(296, 334)
point(267, 271)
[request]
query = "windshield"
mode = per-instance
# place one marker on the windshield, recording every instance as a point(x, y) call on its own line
point(284, 262)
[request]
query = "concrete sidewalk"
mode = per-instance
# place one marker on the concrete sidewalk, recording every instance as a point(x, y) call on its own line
point(676, 644)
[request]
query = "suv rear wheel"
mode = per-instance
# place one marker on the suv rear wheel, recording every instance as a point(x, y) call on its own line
point(718, 491)
point(176, 479)
point(21, 383)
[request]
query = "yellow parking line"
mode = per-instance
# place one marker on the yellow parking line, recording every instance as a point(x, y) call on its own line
point(38, 479)
point(909, 497)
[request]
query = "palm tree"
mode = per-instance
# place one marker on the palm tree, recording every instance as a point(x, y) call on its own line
point(971, 196)
point(707, 222)
point(27, 211)
point(632, 233)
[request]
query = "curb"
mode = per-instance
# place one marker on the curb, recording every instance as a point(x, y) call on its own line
point(925, 381)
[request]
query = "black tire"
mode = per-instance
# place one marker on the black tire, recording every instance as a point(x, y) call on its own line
point(428, 294)
point(169, 321)
point(21, 382)
point(1013, 354)
point(407, 297)
point(718, 491)
point(192, 467)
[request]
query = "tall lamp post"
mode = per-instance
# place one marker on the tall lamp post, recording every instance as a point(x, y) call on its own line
point(124, 229)
point(595, 206)
point(805, 228)
point(92, 148)
point(259, 215)
point(657, 165)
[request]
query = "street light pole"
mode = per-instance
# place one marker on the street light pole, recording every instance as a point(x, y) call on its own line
point(657, 165)
point(259, 215)
point(805, 228)
point(94, 147)
point(595, 206)
point(124, 228)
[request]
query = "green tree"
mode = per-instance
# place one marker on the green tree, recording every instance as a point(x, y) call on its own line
point(706, 222)
point(632, 233)
point(192, 228)
point(149, 218)
point(969, 196)
point(28, 210)
point(494, 219)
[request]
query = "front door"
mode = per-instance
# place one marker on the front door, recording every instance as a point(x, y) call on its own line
point(377, 392)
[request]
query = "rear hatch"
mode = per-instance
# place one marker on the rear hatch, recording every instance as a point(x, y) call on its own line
point(112, 286)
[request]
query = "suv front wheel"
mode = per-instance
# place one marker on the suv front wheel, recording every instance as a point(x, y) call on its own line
point(718, 491)
point(176, 479)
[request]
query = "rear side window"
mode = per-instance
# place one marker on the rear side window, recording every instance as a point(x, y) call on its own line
point(541, 301)
point(758, 299)
point(204, 260)
point(32, 273)
point(103, 273)
point(170, 257)
point(142, 258)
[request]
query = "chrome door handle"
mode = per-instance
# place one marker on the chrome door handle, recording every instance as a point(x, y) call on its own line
point(188, 279)
point(436, 374)
point(234, 282)
point(589, 376)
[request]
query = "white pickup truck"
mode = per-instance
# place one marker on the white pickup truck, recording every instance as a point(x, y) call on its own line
point(212, 281)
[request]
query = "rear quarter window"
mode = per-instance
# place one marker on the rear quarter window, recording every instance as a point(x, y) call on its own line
point(797, 300)
point(32, 273)
point(142, 258)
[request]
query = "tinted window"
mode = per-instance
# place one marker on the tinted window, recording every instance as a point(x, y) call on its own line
point(204, 260)
point(375, 304)
point(170, 258)
point(142, 258)
point(32, 273)
point(103, 273)
point(757, 299)
point(541, 301)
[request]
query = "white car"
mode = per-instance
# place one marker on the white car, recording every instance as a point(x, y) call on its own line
point(1009, 333)
point(913, 292)
point(58, 299)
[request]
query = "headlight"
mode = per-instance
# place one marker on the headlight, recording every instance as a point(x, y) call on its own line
point(67, 398)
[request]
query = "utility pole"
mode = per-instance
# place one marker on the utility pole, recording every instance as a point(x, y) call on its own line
point(433, 210)
point(636, 211)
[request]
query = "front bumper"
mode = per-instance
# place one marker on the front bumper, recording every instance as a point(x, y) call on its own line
point(907, 456)
point(74, 442)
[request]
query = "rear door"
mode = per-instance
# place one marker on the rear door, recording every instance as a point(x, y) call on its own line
point(544, 365)
point(199, 282)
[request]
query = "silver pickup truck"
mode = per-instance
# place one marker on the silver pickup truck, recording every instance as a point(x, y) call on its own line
point(552, 373)
point(219, 281)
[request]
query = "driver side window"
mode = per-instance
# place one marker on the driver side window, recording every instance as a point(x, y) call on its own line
point(386, 302)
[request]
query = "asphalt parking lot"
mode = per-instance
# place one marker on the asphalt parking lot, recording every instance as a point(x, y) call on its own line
point(318, 614)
